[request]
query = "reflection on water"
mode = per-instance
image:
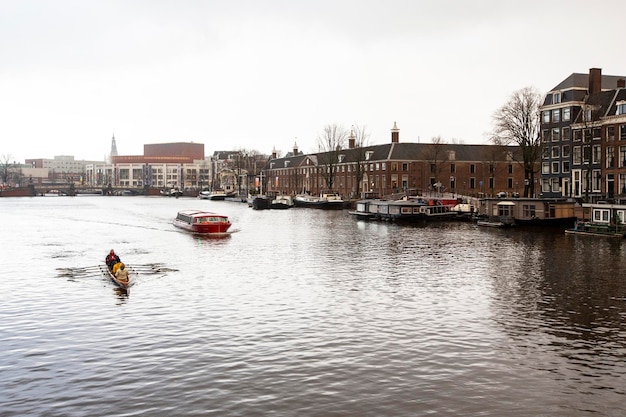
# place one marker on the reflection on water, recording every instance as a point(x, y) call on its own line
point(303, 312)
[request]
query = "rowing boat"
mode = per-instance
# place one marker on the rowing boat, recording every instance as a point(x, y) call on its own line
point(122, 284)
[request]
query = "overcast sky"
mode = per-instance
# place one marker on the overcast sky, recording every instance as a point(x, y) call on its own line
point(259, 75)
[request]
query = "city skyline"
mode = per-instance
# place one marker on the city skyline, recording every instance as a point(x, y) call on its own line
point(265, 76)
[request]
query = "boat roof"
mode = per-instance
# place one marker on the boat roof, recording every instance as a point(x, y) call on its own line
point(200, 213)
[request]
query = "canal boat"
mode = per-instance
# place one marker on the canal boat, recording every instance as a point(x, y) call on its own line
point(407, 209)
point(282, 202)
point(554, 212)
point(604, 219)
point(215, 195)
point(202, 222)
point(122, 284)
point(328, 201)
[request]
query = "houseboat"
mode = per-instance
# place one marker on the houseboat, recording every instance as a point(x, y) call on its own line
point(329, 201)
point(504, 212)
point(407, 209)
point(602, 219)
point(203, 222)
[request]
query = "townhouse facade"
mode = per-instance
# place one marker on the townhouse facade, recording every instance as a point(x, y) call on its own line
point(395, 167)
point(583, 138)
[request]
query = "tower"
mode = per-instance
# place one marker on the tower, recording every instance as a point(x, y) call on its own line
point(113, 146)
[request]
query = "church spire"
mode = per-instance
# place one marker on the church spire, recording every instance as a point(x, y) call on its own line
point(113, 146)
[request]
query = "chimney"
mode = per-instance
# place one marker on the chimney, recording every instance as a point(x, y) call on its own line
point(274, 153)
point(395, 134)
point(621, 83)
point(351, 140)
point(595, 80)
point(295, 148)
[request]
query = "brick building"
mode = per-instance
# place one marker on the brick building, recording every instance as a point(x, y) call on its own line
point(478, 170)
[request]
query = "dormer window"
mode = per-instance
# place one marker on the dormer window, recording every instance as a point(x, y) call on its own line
point(368, 155)
point(621, 107)
point(341, 158)
point(556, 98)
point(286, 164)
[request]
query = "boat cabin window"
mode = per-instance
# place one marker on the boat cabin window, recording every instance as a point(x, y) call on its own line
point(601, 215)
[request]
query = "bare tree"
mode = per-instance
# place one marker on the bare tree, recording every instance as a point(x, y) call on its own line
point(436, 154)
point(6, 167)
point(361, 140)
point(518, 122)
point(330, 143)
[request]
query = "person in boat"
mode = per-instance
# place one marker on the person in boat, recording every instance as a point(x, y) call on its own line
point(122, 273)
point(112, 259)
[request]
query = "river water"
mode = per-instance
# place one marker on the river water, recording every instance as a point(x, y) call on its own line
point(303, 312)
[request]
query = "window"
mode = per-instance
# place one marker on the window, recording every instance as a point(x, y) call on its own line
point(597, 154)
point(566, 167)
point(405, 166)
point(610, 157)
point(556, 98)
point(565, 151)
point(545, 135)
point(555, 167)
point(472, 183)
point(578, 135)
point(577, 155)
point(622, 156)
point(622, 132)
point(452, 168)
point(556, 134)
point(556, 115)
point(546, 116)
point(472, 169)
point(621, 107)
point(545, 167)
point(545, 154)
point(555, 152)
point(528, 210)
point(566, 134)
point(597, 180)
point(510, 168)
point(566, 114)
point(610, 133)
point(597, 133)
point(555, 185)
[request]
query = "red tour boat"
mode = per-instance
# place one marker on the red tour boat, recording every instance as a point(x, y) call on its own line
point(202, 222)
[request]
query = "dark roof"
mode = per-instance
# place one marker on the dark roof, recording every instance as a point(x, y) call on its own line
point(578, 80)
point(408, 152)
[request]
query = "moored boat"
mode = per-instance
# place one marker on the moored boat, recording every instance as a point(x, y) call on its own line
point(604, 220)
point(282, 202)
point(407, 209)
point(328, 201)
point(203, 222)
point(216, 195)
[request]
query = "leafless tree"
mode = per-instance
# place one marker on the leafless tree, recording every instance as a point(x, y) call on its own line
point(518, 122)
point(361, 141)
point(6, 167)
point(436, 154)
point(494, 155)
point(330, 143)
